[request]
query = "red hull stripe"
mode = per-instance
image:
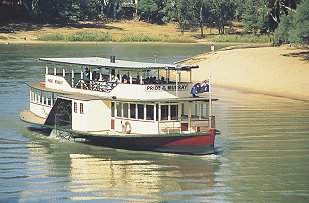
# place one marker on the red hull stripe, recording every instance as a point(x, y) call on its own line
point(193, 141)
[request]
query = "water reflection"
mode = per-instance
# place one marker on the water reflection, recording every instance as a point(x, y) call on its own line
point(78, 171)
point(266, 146)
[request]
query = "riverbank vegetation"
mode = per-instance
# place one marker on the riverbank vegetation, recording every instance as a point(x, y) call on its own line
point(207, 20)
point(96, 36)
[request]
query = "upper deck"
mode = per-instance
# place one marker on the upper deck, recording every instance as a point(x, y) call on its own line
point(118, 78)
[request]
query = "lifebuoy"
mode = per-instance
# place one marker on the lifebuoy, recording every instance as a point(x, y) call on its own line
point(127, 127)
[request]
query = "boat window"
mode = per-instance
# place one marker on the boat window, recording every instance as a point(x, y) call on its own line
point(75, 107)
point(38, 96)
point(194, 110)
point(113, 109)
point(81, 108)
point(32, 98)
point(55, 95)
point(125, 110)
point(164, 112)
point(43, 98)
point(204, 110)
point(132, 111)
point(182, 109)
point(174, 112)
point(140, 109)
point(119, 109)
point(46, 98)
point(149, 112)
point(50, 97)
point(157, 112)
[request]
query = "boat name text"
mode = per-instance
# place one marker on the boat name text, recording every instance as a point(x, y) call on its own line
point(181, 87)
point(56, 81)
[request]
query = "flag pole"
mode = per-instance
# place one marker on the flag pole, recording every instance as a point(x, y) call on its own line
point(177, 68)
point(210, 102)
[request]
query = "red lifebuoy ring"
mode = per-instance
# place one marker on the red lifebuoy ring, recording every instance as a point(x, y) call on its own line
point(127, 127)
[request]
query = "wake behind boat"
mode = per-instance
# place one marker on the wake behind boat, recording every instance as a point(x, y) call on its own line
point(125, 104)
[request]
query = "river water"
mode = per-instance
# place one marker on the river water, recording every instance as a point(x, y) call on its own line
point(262, 153)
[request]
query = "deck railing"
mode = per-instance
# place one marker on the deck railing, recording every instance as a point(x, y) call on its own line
point(169, 127)
point(194, 125)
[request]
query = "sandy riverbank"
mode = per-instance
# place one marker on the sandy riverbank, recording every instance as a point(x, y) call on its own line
point(280, 71)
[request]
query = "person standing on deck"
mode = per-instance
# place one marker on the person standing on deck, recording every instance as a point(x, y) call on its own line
point(87, 74)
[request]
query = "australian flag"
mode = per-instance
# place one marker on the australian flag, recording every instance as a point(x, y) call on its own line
point(200, 87)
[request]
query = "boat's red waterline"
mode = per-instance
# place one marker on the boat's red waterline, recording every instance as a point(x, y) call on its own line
point(197, 140)
point(198, 145)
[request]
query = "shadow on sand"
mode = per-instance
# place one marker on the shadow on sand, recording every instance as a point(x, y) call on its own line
point(304, 55)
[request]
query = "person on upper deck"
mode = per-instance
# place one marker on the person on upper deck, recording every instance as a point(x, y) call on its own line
point(125, 78)
point(87, 74)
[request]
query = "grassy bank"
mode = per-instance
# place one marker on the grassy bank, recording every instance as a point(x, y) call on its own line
point(97, 36)
point(239, 38)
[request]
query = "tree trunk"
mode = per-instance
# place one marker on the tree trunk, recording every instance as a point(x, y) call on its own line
point(201, 22)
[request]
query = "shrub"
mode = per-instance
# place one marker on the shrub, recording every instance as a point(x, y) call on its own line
point(243, 38)
point(88, 36)
point(52, 37)
point(3, 38)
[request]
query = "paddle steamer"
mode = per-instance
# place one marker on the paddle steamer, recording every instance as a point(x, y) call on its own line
point(125, 104)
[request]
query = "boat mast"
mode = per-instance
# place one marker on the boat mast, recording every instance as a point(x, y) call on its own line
point(177, 78)
point(210, 103)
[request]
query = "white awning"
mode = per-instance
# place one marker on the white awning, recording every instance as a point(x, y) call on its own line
point(106, 63)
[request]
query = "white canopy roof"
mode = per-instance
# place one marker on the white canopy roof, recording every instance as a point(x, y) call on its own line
point(105, 62)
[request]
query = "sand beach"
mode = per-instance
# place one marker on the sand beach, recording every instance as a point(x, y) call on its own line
point(279, 71)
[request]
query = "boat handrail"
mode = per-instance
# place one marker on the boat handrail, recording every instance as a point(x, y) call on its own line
point(174, 127)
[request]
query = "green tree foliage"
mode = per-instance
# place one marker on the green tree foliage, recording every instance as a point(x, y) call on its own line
point(256, 15)
point(301, 22)
point(222, 13)
point(181, 11)
point(148, 9)
point(294, 27)
point(264, 15)
point(282, 32)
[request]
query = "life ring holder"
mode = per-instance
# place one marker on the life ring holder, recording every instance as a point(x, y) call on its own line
point(127, 127)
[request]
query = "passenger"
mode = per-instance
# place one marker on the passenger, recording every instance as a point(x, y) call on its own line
point(146, 81)
point(94, 75)
point(162, 80)
point(117, 79)
point(113, 78)
point(87, 73)
point(138, 80)
point(154, 80)
point(125, 78)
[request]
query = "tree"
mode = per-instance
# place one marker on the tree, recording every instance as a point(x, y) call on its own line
point(256, 16)
point(222, 13)
point(282, 32)
point(294, 27)
point(301, 22)
point(181, 11)
point(148, 8)
point(202, 11)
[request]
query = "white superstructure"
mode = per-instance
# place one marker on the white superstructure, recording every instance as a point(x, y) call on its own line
point(107, 96)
